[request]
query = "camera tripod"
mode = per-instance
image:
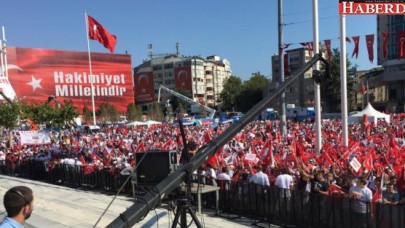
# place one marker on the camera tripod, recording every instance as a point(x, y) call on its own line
point(183, 201)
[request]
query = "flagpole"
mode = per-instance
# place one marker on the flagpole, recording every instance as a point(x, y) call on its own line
point(91, 70)
point(317, 88)
point(367, 94)
point(343, 78)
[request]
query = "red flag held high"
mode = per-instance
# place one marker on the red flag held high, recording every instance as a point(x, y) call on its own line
point(356, 40)
point(401, 44)
point(370, 46)
point(363, 89)
point(99, 33)
point(385, 42)
point(328, 50)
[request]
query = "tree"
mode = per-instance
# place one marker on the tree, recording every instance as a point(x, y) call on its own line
point(178, 103)
point(231, 90)
point(330, 89)
point(251, 92)
point(108, 113)
point(87, 115)
point(8, 115)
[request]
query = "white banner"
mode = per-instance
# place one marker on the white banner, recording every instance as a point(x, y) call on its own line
point(35, 137)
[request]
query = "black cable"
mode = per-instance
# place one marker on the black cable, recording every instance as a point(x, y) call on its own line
point(307, 21)
point(147, 207)
point(306, 11)
point(119, 191)
point(157, 217)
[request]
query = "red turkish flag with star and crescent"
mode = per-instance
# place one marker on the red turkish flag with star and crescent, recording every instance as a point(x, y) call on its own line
point(401, 44)
point(370, 46)
point(182, 79)
point(356, 40)
point(35, 74)
point(385, 42)
point(101, 34)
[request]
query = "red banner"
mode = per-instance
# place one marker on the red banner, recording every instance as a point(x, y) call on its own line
point(36, 74)
point(182, 79)
point(370, 46)
point(144, 87)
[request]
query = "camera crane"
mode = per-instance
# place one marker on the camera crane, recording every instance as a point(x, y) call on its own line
point(153, 197)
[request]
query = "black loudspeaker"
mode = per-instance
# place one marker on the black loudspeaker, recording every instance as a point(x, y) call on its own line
point(155, 167)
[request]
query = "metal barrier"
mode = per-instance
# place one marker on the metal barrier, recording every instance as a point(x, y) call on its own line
point(297, 208)
point(240, 199)
point(68, 175)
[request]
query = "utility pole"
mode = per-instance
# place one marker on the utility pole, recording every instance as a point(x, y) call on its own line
point(281, 67)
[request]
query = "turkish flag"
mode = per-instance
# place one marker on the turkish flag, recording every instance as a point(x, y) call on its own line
point(385, 42)
point(401, 44)
point(356, 40)
point(309, 45)
point(99, 33)
point(370, 46)
point(328, 50)
point(363, 89)
point(368, 162)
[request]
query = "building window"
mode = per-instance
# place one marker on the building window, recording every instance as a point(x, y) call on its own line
point(157, 67)
point(168, 65)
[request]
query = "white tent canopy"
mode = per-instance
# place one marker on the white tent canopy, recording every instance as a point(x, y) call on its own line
point(137, 123)
point(372, 115)
point(153, 122)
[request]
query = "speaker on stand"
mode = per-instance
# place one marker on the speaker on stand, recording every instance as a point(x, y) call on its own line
point(155, 166)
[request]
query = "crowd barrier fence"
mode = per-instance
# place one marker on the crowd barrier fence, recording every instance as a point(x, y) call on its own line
point(237, 199)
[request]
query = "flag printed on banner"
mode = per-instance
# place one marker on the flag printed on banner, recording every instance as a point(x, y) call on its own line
point(101, 34)
point(355, 164)
point(385, 44)
point(401, 44)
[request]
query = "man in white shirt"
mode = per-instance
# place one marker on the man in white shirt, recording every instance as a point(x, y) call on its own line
point(260, 177)
point(285, 182)
point(362, 196)
point(223, 176)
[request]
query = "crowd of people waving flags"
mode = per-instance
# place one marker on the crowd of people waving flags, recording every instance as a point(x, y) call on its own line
point(258, 153)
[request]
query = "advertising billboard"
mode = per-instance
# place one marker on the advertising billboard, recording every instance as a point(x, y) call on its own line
point(144, 87)
point(36, 74)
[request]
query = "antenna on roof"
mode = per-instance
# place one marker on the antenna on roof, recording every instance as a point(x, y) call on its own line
point(150, 51)
point(177, 48)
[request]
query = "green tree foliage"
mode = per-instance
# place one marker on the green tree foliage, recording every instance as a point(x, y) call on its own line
point(231, 90)
point(8, 115)
point(330, 89)
point(251, 92)
point(87, 115)
point(203, 113)
point(42, 114)
point(108, 113)
point(134, 112)
point(177, 102)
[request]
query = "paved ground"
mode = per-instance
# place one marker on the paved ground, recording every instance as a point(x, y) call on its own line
point(58, 206)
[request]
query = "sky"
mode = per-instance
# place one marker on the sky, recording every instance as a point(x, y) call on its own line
point(243, 32)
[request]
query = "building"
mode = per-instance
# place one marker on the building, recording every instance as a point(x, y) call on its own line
point(393, 76)
point(371, 88)
point(301, 92)
point(199, 78)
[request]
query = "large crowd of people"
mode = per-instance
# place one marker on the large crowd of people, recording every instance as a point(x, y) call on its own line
point(371, 168)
